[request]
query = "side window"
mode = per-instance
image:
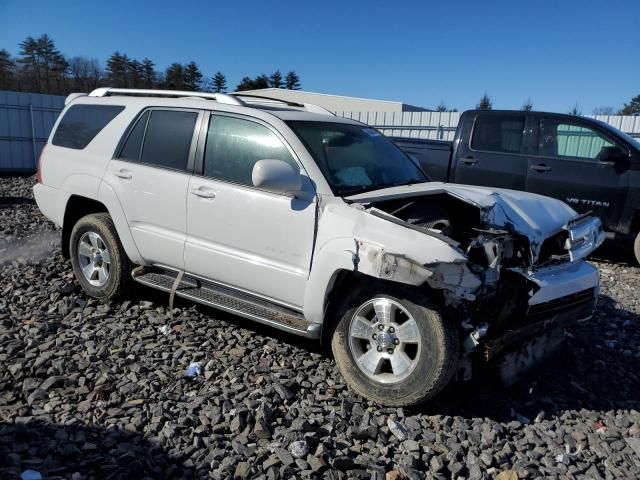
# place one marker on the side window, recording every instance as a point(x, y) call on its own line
point(235, 145)
point(558, 139)
point(133, 145)
point(498, 133)
point(81, 123)
point(168, 139)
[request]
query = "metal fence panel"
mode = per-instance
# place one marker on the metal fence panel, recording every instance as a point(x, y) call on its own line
point(442, 125)
point(26, 119)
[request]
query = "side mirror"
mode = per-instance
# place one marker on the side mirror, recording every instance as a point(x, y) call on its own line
point(276, 176)
point(614, 155)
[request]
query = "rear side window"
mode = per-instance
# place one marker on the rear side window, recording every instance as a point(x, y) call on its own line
point(235, 145)
point(168, 139)
point(81, 123)
point(133, 145)
point(498, 133)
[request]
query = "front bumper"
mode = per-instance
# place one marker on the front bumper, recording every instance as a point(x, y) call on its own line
point(560, 296)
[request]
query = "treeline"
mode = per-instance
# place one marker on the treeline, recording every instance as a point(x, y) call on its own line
point(41, 68)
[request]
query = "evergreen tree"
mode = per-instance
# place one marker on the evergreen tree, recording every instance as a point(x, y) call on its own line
point(192, 77)
point(485, 103)
point(292, 81)
point(174, 77)
point(117, 70)
point(527, 106)
point(30, 61)
point(261, 81)
point(7, 71)
point(275, 80)
point(631, 108)
point(219, 82)
point(52, 63)
point(245, 84)
point(135, 74)
point(148, 73)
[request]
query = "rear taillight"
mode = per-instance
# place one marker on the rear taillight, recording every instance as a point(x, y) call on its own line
point(39, 172)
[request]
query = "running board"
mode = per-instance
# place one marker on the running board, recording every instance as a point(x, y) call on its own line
point(229, 300)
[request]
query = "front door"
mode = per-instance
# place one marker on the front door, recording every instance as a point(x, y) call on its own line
point(495, 155)
point(254, 240)
point(570, 165)
point(150, 177)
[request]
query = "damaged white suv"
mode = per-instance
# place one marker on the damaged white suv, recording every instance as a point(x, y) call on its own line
point(284, 214)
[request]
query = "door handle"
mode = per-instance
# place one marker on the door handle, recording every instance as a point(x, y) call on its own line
point(469, 160)
point(540, 168)
point(122, 173)
point(203, 193)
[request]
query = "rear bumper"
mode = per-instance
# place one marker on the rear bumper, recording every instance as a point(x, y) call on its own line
point(51, 202)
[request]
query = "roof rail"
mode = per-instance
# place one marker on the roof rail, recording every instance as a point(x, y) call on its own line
point(218, 97)
point(310, 107)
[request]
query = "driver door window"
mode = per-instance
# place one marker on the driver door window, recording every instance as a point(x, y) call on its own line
point(559, 139)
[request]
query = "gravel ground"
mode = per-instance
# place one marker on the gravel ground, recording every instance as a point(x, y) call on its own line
point(98, 391)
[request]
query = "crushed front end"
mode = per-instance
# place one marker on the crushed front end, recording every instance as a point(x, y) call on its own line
point(532, 274)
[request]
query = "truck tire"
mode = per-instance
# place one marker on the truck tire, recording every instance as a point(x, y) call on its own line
point(99, 261)
point(393, 347)
point(636, 248)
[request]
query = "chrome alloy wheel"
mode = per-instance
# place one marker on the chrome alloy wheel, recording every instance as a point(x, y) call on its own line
point(94, 259)
point(384, 340)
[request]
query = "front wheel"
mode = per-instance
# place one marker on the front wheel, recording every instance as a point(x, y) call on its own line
point(392, 347)
point(99, 261)
point(636, 248)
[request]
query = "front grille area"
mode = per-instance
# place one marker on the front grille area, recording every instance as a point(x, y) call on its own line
point(559, 305)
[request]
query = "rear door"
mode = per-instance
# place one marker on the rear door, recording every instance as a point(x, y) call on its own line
point(150, 176)
point(494, 155)
point(241, 236)
point(567, 165)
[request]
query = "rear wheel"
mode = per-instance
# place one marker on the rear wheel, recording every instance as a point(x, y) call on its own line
point(99, 261)
point(393, 347)
point(636, 247)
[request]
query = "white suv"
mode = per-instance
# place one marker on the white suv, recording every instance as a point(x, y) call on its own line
point(287, 215)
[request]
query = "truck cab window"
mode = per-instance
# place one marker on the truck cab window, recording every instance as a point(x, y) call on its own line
point(562, 139)
point(498, 133)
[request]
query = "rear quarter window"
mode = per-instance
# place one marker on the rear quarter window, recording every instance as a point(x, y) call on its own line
point(498, 133)
point(81, 123)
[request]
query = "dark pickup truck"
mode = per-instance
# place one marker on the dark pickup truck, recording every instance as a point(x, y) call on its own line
point(586, 163)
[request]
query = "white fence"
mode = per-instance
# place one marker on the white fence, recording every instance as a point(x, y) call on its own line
point(442, 125)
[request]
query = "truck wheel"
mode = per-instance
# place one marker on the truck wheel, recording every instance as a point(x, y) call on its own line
point(99, 261)
point(636, 247)
point(396, 350)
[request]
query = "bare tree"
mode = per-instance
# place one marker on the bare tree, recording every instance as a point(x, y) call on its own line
point(86, 73)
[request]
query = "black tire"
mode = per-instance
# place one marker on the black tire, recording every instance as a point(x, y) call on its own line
point(436, 364)
point(119, 277)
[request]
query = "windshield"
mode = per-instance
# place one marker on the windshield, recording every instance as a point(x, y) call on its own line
point(356, 158)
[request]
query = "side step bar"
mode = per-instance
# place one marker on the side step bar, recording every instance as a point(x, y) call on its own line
point(229, 300)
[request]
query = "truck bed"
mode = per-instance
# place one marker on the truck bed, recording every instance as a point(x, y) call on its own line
point(434, 156)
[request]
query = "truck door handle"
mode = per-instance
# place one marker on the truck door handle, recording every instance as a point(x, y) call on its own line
point(122, 173)
point(469, 160)
point(540, 168)
point(203, 193)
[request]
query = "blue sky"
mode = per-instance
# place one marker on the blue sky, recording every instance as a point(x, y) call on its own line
point(421, 52)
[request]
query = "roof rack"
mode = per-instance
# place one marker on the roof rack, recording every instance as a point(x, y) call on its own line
point(310, 107)
point(218, 97)
point(228, 98)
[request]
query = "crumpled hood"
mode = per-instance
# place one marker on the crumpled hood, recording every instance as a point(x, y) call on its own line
point(529, 214)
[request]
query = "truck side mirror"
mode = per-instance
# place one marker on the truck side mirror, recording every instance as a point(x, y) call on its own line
point(276, 176)
point(614, 155)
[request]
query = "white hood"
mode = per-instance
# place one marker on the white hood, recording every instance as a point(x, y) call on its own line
point(535, 216)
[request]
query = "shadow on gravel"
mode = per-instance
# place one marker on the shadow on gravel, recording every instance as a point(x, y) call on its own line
point(615, 253)
point(10, 201)
point(58, 451)
point(592, 371)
